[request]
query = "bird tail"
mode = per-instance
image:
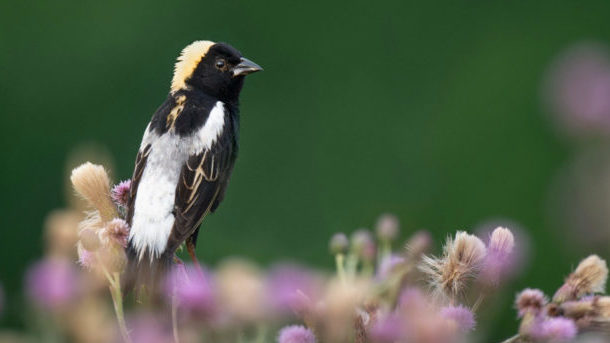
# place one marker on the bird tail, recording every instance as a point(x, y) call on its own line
point(144, 275)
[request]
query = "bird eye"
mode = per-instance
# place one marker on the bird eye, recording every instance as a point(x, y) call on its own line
point(220, 64)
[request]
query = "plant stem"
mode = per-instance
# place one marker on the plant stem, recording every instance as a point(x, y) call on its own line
point(339, 260)
point(175, 318)
point(514, 339)
point(117, 300)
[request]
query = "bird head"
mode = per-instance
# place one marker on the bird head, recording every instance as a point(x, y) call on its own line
point(216, 69)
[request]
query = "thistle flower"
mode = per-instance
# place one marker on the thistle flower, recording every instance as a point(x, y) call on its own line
point(557, 329)
point(289, 286)
point(116, 232)
point(387, 265)
point(387, 227)
point(530, 300)
point(147, 328)
point(589, 277)
point(338, 243)
point(460, 262)
point(51, 283)
point(499, 257)
point(412, 299)
point(120, 193)
point(388, 329)
point(86, 257)
point(460, 315)
point(92, 183)
point(296, 334)
point(192, 289)
point(241, 290)
point(60, 229)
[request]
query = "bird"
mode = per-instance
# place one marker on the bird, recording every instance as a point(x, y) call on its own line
point(185, 159)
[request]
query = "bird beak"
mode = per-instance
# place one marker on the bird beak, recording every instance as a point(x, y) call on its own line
point(246, 67)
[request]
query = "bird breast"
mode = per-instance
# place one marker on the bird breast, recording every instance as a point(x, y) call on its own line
point(153, 217)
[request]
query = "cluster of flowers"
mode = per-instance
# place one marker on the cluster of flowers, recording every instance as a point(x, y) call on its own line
point(377, 294)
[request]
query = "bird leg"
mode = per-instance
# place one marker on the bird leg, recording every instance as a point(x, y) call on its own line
point(190, 247)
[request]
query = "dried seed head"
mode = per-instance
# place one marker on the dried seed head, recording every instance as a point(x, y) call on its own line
point(461, 261)
point(589, 277)
point(530, 300)
point(89, 239)
point(92, 183)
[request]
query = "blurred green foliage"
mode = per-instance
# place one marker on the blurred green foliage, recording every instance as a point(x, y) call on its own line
point(430, 110)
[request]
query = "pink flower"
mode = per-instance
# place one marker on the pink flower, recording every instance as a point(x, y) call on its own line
point(192, 288)
point(120, 193)
point(554, 330)
point(146, 328)
point(499, 259)
point(117, 231)
point(461, 315)
point(388, 263)
point(388, 329)
point(530, 300)
point(412, 299)
point(296, 334)
point(578, 88)
point(289, 286)
point(86, 258)
point(51, 283)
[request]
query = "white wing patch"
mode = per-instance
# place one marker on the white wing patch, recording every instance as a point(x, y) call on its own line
point(153, 216)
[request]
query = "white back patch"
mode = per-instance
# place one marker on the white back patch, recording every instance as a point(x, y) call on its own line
point(153, 218)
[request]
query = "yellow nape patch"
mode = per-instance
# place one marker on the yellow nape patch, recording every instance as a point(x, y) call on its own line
point(188, 61)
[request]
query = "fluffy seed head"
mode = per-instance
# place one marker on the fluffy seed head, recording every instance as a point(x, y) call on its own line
point(530, 300)
point(92, 183)
point(296, 334)
point(117, 232)
point(460, 262)
point(589, 277)
point(89, 239)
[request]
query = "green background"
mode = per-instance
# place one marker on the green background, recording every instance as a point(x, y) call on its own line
point(430, 110)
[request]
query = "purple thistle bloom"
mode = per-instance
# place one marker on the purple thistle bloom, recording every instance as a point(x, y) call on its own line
point(499, 260)
point(387, 265)
point(296, 334)
point(388, 329)
point(578, 88)
point(146, 328)
point(412, 299)
point(557, 329)
point(461, 315)
point(192, 288)
point(288, 287)
point(51, 283)
point(120, 192)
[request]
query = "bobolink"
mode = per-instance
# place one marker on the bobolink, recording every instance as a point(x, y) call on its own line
point(186, 157)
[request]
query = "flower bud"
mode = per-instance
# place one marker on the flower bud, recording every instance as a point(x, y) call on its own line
point(338, 243)
point(387, 227)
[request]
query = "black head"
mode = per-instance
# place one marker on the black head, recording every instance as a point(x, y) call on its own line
point(216, 69)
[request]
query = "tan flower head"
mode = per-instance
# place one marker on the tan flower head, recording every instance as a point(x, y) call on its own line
point(92, 183)
point(589, 277)
point(460, 262)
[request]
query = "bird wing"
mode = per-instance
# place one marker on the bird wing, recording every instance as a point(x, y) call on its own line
point(201, 186)
point(135, 180)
